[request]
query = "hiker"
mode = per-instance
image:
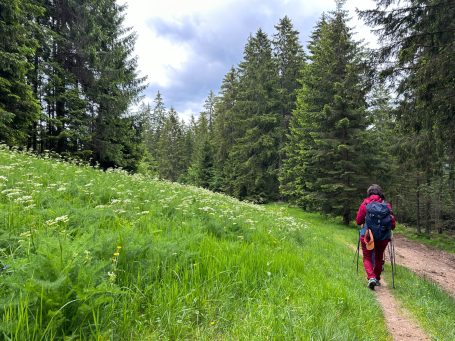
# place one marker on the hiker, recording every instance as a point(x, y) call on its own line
point(377, 218)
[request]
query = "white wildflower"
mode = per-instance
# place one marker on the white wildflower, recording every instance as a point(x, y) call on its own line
point(61, 219)
point(206, 209)
point(112, 276)
point(24, 199)
point(25, 234)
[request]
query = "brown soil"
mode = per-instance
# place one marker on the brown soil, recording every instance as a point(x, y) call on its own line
point(401, 326)
point(436, 265)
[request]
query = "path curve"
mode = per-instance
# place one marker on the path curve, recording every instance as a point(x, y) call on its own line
point(436, 265)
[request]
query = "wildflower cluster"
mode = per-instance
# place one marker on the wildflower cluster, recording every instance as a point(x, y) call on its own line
point(62, 219)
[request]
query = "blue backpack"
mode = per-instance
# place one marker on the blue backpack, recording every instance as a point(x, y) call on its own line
point(379, 220)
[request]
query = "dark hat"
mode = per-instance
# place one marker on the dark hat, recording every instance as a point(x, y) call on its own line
point(375, 189)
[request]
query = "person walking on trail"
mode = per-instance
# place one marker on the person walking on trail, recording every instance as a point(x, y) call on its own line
point(376, 216)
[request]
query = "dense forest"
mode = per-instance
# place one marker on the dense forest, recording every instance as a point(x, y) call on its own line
point(311, 125)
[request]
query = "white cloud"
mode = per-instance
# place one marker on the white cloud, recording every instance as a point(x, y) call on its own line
point(186, 46)
point(158, 57)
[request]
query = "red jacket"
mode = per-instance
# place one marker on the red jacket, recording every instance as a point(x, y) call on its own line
point(361, 213)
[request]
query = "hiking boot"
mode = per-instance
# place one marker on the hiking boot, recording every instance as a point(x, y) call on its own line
point(372, 283)
point(378, 283)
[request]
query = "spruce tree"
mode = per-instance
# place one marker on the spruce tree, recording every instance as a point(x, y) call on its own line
point(209, 110)
point(154, 125)
point(310, 100)
point(188, 145)
point(253, 159)
point(85, 78)
point(224, 129)
point(116, 87)
point(18, 107)
point(201, 169)
point(417, 52)
point(171, 164)
point(329, 124)
point(289, 56)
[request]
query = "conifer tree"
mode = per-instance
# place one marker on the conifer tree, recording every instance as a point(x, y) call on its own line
point(18, 107)
point(224, 129)
point(290, 58)
point(201, 169)
point(209, 110)
point(117, 86)
point(253, 159)
point(329, 123)
point(154, 124)
point(171, 164)
point(189, 136)
point(293, 185)
point(85, 78)
point(61, 69)
point(418, 53)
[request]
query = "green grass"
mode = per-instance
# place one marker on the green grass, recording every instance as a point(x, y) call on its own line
point(433, 308)
point(444, 241)
point(105, 255)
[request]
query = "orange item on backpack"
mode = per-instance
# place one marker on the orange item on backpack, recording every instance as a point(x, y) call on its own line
point(369, 240)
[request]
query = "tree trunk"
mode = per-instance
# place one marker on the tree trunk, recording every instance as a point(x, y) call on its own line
point(346, 216)
point(34, 135)
point(438, 205)
point(419, 230)
point(428, 216)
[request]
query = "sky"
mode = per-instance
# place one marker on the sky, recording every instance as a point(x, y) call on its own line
point(186, 47)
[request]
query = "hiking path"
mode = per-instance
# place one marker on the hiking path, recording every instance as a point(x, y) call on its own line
point(436, 265)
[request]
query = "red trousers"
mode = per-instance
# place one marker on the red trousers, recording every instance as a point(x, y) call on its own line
point(373, 267)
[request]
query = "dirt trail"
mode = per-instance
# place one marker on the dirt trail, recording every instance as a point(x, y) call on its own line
point(401, 326)
point(436, 265)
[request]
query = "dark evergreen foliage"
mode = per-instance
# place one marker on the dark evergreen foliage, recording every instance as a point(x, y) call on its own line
point(418, 54)
point(200, 172)
point(19, 108)
point(253, 158)
point(328, 163)
point(74, 58)
point(224, 129)
point(171, 156)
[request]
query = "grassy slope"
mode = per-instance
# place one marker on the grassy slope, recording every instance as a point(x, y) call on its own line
point(94, 254)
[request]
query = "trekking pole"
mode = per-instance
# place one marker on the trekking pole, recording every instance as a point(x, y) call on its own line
point(392, 260)
point(394, 264)
point(358, 253)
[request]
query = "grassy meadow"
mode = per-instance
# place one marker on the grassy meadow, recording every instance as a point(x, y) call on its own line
point(93, 255)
